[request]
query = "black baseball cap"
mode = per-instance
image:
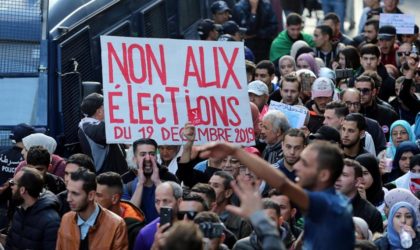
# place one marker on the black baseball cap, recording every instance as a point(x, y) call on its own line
point(22, 130)
point(326, 133)
point(231, 27)
point(219, 6)
point(387, 32)
point(205, 26)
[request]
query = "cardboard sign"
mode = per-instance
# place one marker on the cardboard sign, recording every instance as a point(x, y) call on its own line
point(295, 115)
point(402, 22)
point(152, 87)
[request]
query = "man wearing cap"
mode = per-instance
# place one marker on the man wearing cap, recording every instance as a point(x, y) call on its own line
point(387, 44)
point(107, 157)
point(322, 93)
point(9, 160)
point(326, 133)
point(258, 94)
point(232, 29)
point(208, 30)
point(412, 38)
point(258, 17)
point(220, 11)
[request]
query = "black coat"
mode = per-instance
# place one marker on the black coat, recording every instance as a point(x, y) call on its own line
point(37, 226)
point(365, 210)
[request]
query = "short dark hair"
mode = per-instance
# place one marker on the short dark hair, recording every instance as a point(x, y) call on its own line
point(91, 104)
point(227, 178)
point(82, 160)
point(373, 22)
point(32, 181)
point(88, 178)
point(143, 141)
point(294, 19)
point(376, 78)
point(276, 192)
point(325, 30)
point(370, 49)
point(38, 156)
point(357, 167)
point(415, 161)
point(266, 64)
point(110, 179)
point(291, 77)
point(358, 118)
point(340, 109)
point(366, 78)
point(206, 189)
point(333, 17)
point(294, 132)
point(268, 203)
point(207, 216)
point(197, 198)
point(329, 157)
point(183, 235)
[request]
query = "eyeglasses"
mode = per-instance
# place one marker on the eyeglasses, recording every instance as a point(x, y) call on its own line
point(190, 215)
point(354, 104)
point(12, 182)
point(364, 91)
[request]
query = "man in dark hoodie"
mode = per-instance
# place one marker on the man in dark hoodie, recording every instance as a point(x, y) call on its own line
point(36, 221)
point(91, 133)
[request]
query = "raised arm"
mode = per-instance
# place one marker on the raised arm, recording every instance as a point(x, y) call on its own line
point(261, 168)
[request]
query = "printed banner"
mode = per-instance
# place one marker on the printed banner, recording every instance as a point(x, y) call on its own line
point(403, 23)
point(152, 87)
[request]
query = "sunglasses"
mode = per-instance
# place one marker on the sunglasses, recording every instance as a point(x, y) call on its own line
point(364, 91)
point(405, 53)
point(190, 215)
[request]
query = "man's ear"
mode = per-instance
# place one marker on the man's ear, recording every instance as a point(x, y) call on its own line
point(91, 195)
point(228, 193)
point(115, 198)
point(324, 175)
point(293, 212)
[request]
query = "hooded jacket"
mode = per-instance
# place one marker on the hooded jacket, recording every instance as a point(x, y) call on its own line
point(37, 226)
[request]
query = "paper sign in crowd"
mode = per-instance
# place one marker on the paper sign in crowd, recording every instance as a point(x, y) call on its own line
point(152, 87)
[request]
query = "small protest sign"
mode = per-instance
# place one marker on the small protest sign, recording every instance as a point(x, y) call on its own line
point(295, 115)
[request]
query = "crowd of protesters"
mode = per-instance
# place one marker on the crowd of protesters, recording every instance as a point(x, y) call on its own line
point(348, 179)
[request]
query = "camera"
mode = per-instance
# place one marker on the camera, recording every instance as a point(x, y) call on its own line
point(343, 73)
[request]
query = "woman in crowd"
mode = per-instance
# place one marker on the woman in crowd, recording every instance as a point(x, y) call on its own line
point(372, 182)
point(401, 217)
point(307, 61)
point(348, 58)
point(411, 179)
point(401, 162)
point(400, 194)
point(287, 64)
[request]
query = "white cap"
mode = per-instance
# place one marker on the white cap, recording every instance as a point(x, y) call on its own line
point(258, 88)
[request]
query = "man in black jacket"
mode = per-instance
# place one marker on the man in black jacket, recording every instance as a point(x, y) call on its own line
point(348, 184)
point(91, 133)
point(36, 222)
point(370, 107)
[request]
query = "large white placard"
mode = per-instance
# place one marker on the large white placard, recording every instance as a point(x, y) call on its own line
point(152, 87)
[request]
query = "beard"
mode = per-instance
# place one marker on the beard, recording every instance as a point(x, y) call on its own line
point(350, 144)
point(82, 207)
point(17, 199)
point(147, 169)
